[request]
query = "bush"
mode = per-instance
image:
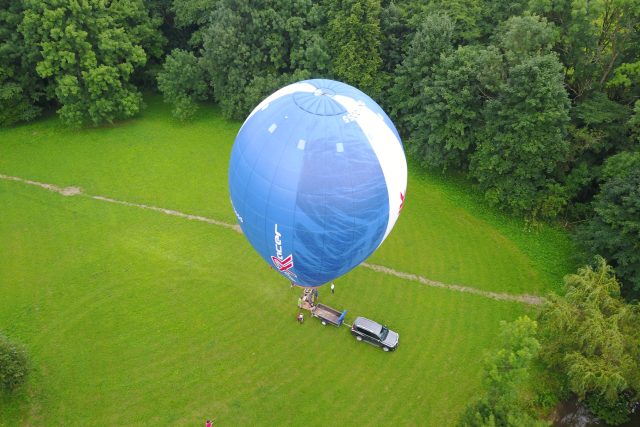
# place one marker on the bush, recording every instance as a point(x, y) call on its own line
point(613, 414)
point(182, 82)
point(13, 365)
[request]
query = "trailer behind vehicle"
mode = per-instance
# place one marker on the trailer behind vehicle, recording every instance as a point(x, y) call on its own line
point(327, 314)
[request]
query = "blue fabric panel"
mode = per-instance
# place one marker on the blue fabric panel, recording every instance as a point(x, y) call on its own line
point(298, 166)
point(341, 214)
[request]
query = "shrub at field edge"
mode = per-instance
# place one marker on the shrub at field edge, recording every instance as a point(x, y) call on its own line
point(13, 365)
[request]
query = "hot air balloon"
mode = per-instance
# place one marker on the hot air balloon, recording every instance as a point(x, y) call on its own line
point(317, 179)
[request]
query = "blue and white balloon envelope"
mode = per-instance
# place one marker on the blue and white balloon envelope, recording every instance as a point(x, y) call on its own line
point(317, 179)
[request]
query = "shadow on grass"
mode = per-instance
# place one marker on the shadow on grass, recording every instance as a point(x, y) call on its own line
point(15, 407)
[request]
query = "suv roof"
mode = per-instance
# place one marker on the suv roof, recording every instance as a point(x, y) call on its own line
point(369, 325)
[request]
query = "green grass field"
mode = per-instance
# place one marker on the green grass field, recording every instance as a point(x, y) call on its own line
point(133, 317)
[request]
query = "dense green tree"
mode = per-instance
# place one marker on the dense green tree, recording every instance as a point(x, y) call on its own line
point(407, 103)
point(494, 12)
point(192, 18)
point(354, 39)
point(596, 38)
point(634, 122)
point(182, 81)
point(396, 32)
point(602, 121)
point(20, 86)
point(520, 149)
point(614, 230)
point(466, 109)
point(598, 44)
point(499, 111)
point(447, 127)
point(90, 49)
point(249, 44)
point(597, 131)
point(521, 37)
point(627, 77)
point(465, 14)
point(505, 398)
point(590, 339)
point(174, 36)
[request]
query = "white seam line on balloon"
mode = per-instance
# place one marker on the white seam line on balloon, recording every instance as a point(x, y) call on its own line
point(76, 191)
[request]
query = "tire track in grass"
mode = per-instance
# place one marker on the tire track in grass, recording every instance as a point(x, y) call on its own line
point(77, 191)
point(523, 298)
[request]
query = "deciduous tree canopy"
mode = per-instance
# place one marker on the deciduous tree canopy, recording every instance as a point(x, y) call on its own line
point(614, 230)
point(88, 52)
point(504, 401)
point(590, 338)
point(20, 88)
point(252, 48)
point(183, 83)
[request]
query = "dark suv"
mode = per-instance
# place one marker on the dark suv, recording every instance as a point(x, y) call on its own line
point(374, 333)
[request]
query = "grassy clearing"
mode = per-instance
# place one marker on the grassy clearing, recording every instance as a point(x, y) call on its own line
point(133, 317)
point(448, 234)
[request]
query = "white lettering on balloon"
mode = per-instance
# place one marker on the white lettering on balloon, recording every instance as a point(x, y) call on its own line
point(284, 265)
point(278, 243)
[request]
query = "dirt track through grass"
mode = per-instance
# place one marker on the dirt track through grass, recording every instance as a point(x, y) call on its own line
point(77, 191)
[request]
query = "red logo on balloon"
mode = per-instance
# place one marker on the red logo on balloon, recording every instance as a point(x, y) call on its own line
point(283, 264)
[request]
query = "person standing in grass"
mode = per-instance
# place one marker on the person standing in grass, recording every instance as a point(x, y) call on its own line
point(300, 302)
point(333, 288)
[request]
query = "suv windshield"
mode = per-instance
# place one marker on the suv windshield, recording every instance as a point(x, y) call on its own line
point(383, 333)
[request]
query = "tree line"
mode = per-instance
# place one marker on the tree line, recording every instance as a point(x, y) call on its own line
point(583, 344)
point(535, 102)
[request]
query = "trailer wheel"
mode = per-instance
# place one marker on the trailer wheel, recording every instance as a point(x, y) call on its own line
point(359, 338)
point(324, 323)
